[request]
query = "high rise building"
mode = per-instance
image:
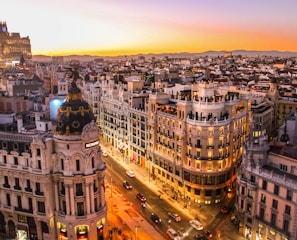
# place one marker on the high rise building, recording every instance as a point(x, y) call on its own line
point(52, 179)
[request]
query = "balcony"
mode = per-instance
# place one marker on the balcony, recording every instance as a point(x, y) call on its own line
point(252, 185)
point(39, 193)
point(79, 194)
point(5, 185)
point(20, 209)
point(28, 189)
point(17, 188)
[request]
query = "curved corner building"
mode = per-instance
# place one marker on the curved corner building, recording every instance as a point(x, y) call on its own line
point(197, 134)
point(78, 172)
point(52, 184)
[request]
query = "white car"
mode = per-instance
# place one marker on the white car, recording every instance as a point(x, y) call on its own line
point(104, 153)
point(130, 173)
point(172, 234)
point(196, 224)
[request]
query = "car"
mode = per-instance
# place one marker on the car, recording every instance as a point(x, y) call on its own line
point(140, 197)
point(130, 173)
point(155, 218)
point(225, 210)
point(182, 232)
point(196, 224)
point(208, 234)
point(199, 237)
point(175, 216)
point(172, 234)
point(127, 185)
point(104, 153)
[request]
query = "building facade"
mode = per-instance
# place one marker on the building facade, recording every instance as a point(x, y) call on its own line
point(189, 137)
point(13, 47)
point(266, 193)
point(196, 137)
point(52, 180)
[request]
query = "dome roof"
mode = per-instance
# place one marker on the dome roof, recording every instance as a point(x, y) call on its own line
point(73, 114)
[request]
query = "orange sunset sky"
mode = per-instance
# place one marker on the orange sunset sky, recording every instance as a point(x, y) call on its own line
point(124, 27)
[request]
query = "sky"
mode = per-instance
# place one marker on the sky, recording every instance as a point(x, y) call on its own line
point(126, 27)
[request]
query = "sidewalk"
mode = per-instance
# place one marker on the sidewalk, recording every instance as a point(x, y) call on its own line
point(206, 213)
point(124, 222)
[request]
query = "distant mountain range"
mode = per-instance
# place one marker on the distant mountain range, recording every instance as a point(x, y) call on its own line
point(86, 58)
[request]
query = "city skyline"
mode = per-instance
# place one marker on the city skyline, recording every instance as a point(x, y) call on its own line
point(139, 27)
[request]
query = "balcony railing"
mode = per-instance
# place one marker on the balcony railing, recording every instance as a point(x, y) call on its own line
point(39, 193)
point(19, 209)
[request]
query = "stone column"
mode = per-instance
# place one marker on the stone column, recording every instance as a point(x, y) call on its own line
point(67, 199)
point(72, 200)
point(57, 197)
point(92, 199)
point(88, 197)
point(102, 193)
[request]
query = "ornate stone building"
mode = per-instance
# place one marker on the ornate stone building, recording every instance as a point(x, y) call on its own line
point(52, 182)
point(13, 47)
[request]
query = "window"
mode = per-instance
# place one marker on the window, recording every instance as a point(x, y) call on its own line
point(39, 164)
point(30, 205)
point(288, 210)
point(17, 184)
point(264, 185)
point(28, 188)
point(273, 219)
point(289, 195)
point(274, 204)
point(79, 191)
point(77, 165)
point(62, 188)
point(4, 159)
point(242, 190)
point(249, 208)
point(64, 206)
point(276, 190)
point(96, 205)
point(208, 193)
point(6, 183)
point(286, 226)
point(253, 179)
point(263, 198)
point(8, 202)
point(94, 186)
point(62, 164)
point(37, 152)
point(15, 161)
point(38, 189)
point(283, 167)
point(40, 207)
point(262, 212)
point(80, 209)
point(93, 162)
point(19, 200)
point(250, 194)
